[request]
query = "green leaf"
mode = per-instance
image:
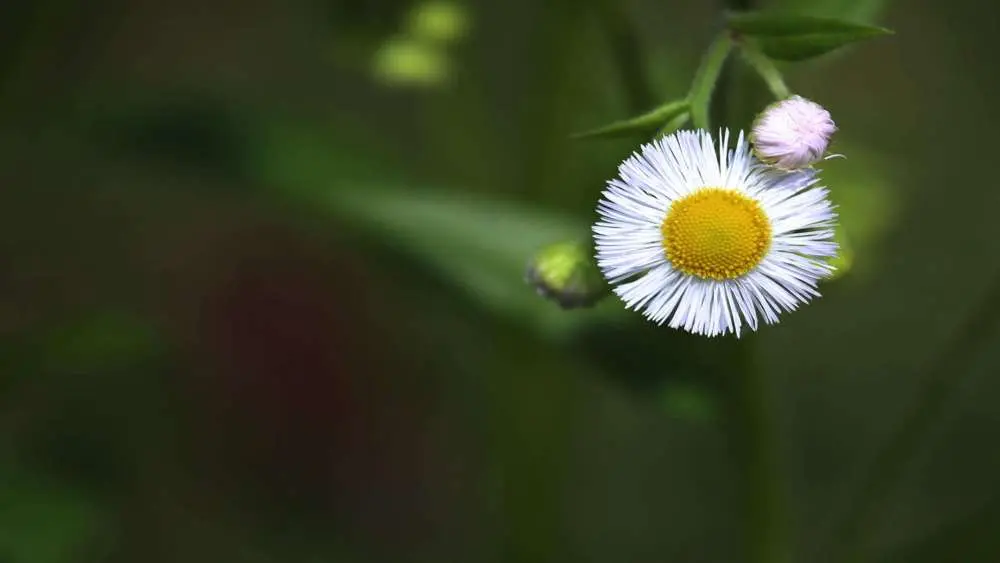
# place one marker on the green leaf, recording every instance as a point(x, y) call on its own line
point(480, 246)
point(705, 79)
point(788, 37)
point(644, 123)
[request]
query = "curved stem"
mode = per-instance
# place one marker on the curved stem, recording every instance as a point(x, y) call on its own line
point(704, 86)
point(752, 412)
point(752, 432)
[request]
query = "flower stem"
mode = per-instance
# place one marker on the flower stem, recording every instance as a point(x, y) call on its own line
point(751, 432)
point(864, 515)
point(751, 421)
point(706, 80)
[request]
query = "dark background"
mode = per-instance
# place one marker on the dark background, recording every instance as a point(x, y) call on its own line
point(261, 293)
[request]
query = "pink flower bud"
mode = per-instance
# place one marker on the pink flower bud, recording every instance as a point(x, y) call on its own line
point(792, 134)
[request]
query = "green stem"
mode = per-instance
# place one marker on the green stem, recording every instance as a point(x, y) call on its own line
point(865, 514)
point(752, 431)
point(703, 87)
point(751, 420)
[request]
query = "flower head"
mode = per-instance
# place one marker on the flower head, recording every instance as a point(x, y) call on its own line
point(792, 134)
point(705, 239)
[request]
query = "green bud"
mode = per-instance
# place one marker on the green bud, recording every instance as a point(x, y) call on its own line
point(402, 61)
point(566, 273)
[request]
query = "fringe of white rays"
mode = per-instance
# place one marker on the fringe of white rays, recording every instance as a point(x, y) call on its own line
point(629, 240)
point(634, 204)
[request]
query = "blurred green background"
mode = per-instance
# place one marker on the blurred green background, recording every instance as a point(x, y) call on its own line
point(262, 297)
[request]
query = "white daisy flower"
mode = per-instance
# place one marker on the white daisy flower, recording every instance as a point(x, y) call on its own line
point(705, 239)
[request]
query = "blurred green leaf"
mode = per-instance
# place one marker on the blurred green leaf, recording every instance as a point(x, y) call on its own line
point(481, 246)
point(645, 123)
point(42, 522)
point(789, 37)
point(703, 85)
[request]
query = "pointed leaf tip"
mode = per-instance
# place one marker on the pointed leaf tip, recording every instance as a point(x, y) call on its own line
point(789, 37)
point(644, 123)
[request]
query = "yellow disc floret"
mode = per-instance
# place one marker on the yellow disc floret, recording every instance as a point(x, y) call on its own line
point(716, 234)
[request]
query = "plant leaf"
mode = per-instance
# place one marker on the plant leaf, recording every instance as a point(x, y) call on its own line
point(704, 80)
point(787, 37)
point(480, 246)
point(642, 124)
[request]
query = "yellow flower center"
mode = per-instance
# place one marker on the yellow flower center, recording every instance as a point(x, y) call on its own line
point(716, 234)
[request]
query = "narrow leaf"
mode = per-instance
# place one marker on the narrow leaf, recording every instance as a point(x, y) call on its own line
point(763, 24)
point(804, 47)
point(795, 37)
point(705, 79)
point(641, 124)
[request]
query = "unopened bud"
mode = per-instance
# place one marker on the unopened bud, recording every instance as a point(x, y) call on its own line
point(567, 273)
point(792, 134)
